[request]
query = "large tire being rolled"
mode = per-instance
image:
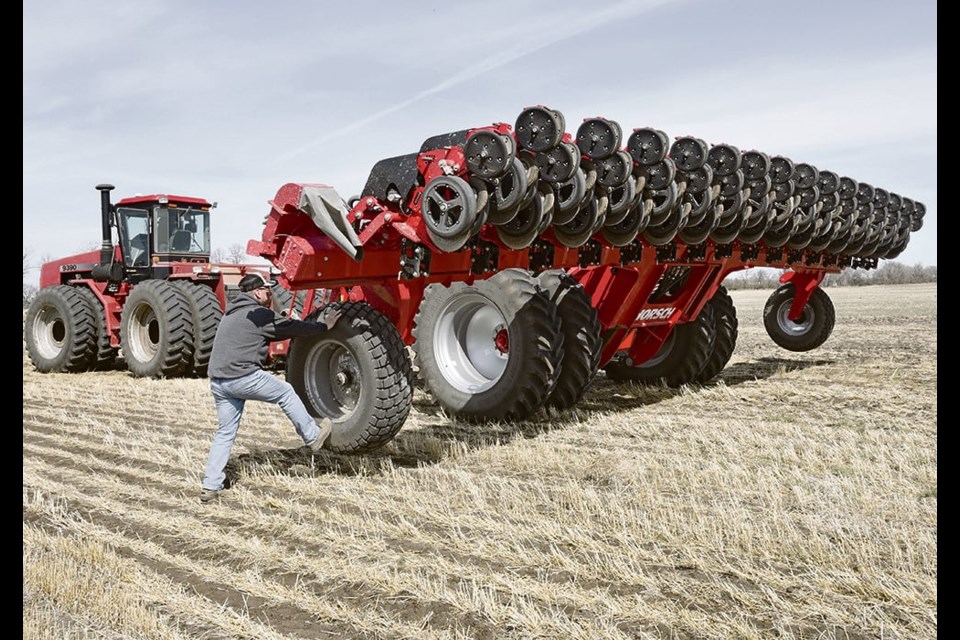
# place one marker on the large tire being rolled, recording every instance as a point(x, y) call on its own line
point(205, 312)
point(678, 361)
point(358, 374)
point(105, 354)
point(491, 350)
point(724, 338)
point(582, 343)
point(156, 331)
point(810, 331)
point(61, 331)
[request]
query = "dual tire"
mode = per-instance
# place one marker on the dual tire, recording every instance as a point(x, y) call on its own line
point(490, 351)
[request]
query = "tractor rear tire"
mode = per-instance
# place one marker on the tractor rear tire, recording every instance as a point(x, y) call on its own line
point(106, 355)
point(206, 313)
point(725, 335)
point(489, 351)
point(61, 331)
point(582, 343)
point(357, 374)
point(156, 331)
point(678, 361)
point(810, 331)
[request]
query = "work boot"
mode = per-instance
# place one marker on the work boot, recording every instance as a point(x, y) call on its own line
point(209, 495)
point(325, 428)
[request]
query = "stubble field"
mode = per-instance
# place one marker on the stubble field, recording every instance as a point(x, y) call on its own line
point(793, 497)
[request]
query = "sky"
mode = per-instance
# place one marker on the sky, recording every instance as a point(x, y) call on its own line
point(229, 101)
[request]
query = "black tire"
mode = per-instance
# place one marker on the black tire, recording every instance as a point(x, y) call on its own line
point(289, 304)
point(582, 343)
point(724, 336)
point(156, 331)
point(358, 374)
point(206, 313)
point(679, 360)
point(813, 329)
point(105, 355)
point(473, 377)
point(61, 331)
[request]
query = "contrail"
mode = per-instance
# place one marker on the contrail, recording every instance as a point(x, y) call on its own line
point(550, 34)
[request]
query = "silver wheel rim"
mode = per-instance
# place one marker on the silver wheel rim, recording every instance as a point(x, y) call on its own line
point(49, 331)
point(471, 343)
point(144, 333)
point(788, 326)
point(332, 379)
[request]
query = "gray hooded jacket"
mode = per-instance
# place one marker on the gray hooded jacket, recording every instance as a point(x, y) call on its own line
point(243, 338)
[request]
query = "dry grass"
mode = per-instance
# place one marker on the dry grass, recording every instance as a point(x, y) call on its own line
point(796, 497)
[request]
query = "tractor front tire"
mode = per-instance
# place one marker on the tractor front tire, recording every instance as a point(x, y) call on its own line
point(357, 374)
point(156, 331)
point(61, 331)
point(812, 328)
point(205, 313)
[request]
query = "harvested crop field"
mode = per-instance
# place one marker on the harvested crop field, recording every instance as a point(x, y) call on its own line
point(793, 497)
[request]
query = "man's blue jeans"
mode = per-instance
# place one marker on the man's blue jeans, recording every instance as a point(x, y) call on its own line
point(230, 395)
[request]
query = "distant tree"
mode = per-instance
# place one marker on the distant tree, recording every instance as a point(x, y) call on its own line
point(236, 253)
point(29, 293)
point(891, 273)
point(218, 255)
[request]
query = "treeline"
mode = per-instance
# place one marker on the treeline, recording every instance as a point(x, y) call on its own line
point(886, 273)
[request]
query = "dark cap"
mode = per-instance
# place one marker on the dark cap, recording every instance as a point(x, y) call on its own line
point(253, 281)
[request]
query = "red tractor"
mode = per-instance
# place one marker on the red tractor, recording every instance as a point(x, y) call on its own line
point(154, 294)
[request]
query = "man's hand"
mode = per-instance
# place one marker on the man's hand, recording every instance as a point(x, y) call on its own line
point(330, 317)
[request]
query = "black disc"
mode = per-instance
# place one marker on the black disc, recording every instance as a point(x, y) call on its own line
point(615, 170)
point(829, 182)
point(578, 230)
point(755, 165)
point(559, 163)
point(830, 201)
point(598, 138)
point(880, 197)
point(806, 175)
point(783, 190)
point(689, 153)
point(521, 230)
point(759, 187)
point(848, 188)
point(539, 128)
point(488, 154)
point(648, 146)
point(507, 193)
point(620, 200)
point(625, 231)
point(569, 195)
point(724, 159)
point(865, 192)
point(731, 183)
point(808, 196)
point(781, 169)
point(658, 176)
point(699, 179)
point(449, 210)
point(894, 201)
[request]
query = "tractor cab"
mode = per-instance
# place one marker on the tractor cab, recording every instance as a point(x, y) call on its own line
point(160, 229)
